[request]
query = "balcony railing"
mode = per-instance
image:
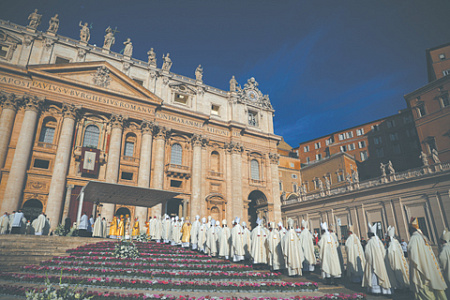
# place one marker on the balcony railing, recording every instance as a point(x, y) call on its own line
point(46, 145)
point(130, 158)
point(179, 171)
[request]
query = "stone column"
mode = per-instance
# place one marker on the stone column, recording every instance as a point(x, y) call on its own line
point(158, 176)
point(10, 104)
point(61, 165)
point(196, 180)
point(236, 181)
point(17, 173)
point(274, 160)
point(112, 168)
point(228, 176)
point(67, 201)
point(145, 160)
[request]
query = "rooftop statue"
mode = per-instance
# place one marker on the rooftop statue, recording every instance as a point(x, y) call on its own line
point(53, 24)
point(391, 168)
point(109, 38)
point(383, 170)
point(435, 157)
point(233, 84)
point(85, 33)
point(424, 159)
point(199, 73)
point(167, 63)
point(35, 19)
point(128, 50)
point(151, 57)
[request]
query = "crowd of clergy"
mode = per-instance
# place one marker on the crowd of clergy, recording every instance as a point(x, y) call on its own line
point(16, 223)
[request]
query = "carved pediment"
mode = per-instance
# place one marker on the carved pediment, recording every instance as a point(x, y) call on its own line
point(97, 75)
point(183, 88)
point(251, 94)
point(8, 38)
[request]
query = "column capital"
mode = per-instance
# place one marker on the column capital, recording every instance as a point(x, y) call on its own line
point(33, 103)
point(234, 147)
point(274, 158)
point(9, 101)
point(147, 127)
point(117, 120)
point(70, 111)
point(198, 140)
point(161, 132)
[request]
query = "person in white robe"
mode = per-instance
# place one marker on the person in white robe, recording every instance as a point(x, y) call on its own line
point(194, 232)
point(281, 229)
point(39, 224)
point(17, 222)
point(83, 226)
point(224, 241)
point(444, 259)
point(156, 228)
point(201, 240)
point(292, 250)
point(176, 232)
point(237, 242)
point(397, 261)
point(11, 220)
point(209, 223)
point(91, 225)
point(356, 259)
point(426, 279)
point(258, 248)
point(332, 230)
point(331, 269)
point(376, 277)
point(275, 253)
point(104, 227)
point(212, 236)
point(165, 229)
point(4, 223)
point(98, 227)
point(306, 241)
point(247, 240)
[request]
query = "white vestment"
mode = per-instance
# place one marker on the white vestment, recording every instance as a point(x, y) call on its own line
point(212, 236)
point(444, 259)
point(224, 242)
point(306, 241)
point(292, 252)
point(84, 222)
point(194, 234)
point(398, 263)
point(176, 234)
point(156, 230)
point(202, 231)
point(98, 228)
point(275, 253)
point(39, 224)
point(356, 259)
point(376, 277)
point(258, 249)
point(247, 243)
point(166, 230)
point(329, 257)
point(4, 224)
point(105, 228)
point(237, 243)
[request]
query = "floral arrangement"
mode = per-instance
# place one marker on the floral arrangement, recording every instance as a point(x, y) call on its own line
point(60, 230)
point(143, 238)
point(126, 249)
point(51, 293)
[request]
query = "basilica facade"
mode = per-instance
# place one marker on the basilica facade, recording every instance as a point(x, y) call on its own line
point(72, 112)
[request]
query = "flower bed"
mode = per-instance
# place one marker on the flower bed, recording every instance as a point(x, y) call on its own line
point(198, 275)
point(164, 285)
point(97, 257)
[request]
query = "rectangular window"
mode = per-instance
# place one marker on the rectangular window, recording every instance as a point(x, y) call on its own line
point(181, 99)
point(138, 81)
point(421, 110)
point(359, 131)
point(377, 140)
point(375, 127)
point(431, 142)
point(390, 123)
point(252, 118)
point(175, 183)
point(351, 147)
point(397, 149)
point(393, 136)
point(292, 165)
point(126, 176)
point(380, 152)
point(215, 109)
point(306, 149)
point(340, 177)
point(329, 141)
point(47, 134)
point(361, 144)
point(318, 156)
point(60, 60)
point(363, 155)
point(41, 164)
point(3, 51)
point(446, 72)
point(317, 145)
point(281, 186)
point(307, 160)
point(129, 149)
point(341, 136)
point(343, 148)
point(294, 187)
point(445, 101)
point(349, 134)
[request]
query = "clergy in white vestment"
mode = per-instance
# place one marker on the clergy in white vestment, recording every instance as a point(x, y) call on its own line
point(331, 268)
point(166, 229)
point(306, 241)
point(356, 259)
point(212, 236)
point(426, 279)
point(292, 250)
point(237, 242)
point(275, 253)
point(157, 226)
point(397, 261)
point(98, 227)
point(4, 223)
point(376, 277)
point(104, 227)
point(11, 220)
point(91, 225)
point(332, 230)
point(224, 241)
point(247, 240)
point(176, 232)
point(150, 224)
point(258, 249)
point(201, 240)
point(209, 223)
point(444, 259)
point(281, 229)
point(83, 226)
point(39, 224)
point(17, 222)
point(194, 232)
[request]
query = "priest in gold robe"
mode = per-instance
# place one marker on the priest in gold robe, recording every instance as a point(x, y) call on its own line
point(186, 233)
point(397, 261)
point(356, 259)
point(113, 228)
point(426, 279)
point(135, 232)
point(121, 228)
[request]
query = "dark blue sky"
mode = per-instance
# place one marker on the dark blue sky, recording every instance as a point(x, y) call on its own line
point(327, 65)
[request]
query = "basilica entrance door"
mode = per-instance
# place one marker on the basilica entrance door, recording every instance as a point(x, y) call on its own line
point(32, 209)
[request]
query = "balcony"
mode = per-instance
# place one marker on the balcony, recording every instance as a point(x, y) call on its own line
point(46, 145)
point(178, 171)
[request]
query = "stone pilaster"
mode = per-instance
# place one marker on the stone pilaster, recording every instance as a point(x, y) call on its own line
point(112, 167)
point(236, 180)
point(10, 104)
point(274, 160)
point(197, 142)
point(145, 160)
point(161, 134)
point(16, 180)
point(61, 164)
point(67, 202)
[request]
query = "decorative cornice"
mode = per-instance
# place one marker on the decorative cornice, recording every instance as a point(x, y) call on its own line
point(10, 101)
point(147, 127)
point(198, 141)
point(117, 121)
point(70, 111)
point(162, 132)
point(234, 147)
point(33, 103)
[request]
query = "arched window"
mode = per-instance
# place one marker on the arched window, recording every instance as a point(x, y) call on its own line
point(254, 168)
point(215, 161)
point(48, 131)
point(128, 149)
point(176, 154)
point(91, 135)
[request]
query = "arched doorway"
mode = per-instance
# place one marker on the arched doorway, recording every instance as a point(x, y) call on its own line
point(257, 201)
point(174, 207)
point(32, 209)
point(123, 211)
point(215, 214)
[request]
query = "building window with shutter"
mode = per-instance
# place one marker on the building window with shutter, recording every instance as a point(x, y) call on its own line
point(176, 154)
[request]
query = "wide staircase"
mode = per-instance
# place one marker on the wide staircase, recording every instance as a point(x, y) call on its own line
point(21, 250)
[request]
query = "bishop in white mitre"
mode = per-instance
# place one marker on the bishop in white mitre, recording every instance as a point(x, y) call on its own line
point(237, 251)
point(258, 244)
point(194, 232)
point(202, 231)
point(247, 241)
point(426, 279)
point(356, 259)
point(156, 232)
point(212, 236)
point(98, 227)
point(224, 241)
point(166, 229)
point(397, 261)
point(292, 250)
point(175, 232)
point(4, 223)
point(331, 267)
point(306, 241)
point(39, 224)
point(376, 277)
point(275, 253)
point(444, 259)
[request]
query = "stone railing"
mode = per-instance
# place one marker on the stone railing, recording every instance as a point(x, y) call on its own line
point(378, 181)
point(178, 171)
point(130, 158)
point(46, 145)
